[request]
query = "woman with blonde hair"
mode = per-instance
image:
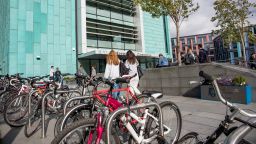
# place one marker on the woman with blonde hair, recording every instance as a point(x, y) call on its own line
point(112, 70)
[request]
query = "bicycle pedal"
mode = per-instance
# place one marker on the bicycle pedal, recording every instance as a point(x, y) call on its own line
point(161, 140)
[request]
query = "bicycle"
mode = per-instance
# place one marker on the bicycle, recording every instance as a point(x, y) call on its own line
point(234, 135)
point(94, 127)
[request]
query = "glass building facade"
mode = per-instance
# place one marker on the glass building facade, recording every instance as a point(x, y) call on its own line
point(120, 25)
point(37, 34)
point(110, 24)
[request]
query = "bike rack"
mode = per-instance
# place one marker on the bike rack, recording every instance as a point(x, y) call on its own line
point(43, 106)
point(138, 106)
point(66, 115)
point(72, 99)
point(29, 107)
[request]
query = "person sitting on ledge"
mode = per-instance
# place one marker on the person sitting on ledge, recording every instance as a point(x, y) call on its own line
point(163, 61)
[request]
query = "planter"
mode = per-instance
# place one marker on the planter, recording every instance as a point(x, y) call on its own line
point(234, 94)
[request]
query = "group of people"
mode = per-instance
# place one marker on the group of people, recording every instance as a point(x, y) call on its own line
point(55, 74)
point(190, 58)
point(112, 70)
point(187, 58)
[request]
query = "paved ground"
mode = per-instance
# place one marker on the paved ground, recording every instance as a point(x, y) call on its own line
point(198, 115)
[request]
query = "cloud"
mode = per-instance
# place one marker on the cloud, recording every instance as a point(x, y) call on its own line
point(200, 22)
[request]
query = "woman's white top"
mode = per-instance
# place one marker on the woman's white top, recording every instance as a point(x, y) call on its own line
point(132, 67)
point(111, 71)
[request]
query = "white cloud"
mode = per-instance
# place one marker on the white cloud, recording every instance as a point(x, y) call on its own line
point(200, 22)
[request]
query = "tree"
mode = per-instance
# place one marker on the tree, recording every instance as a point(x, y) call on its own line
point(178, 10)
point(232, 19)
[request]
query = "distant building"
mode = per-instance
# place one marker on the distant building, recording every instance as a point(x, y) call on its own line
point(192, 42)
point(224, 53)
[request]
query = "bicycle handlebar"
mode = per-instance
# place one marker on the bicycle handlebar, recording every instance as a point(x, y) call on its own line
point(224, 101)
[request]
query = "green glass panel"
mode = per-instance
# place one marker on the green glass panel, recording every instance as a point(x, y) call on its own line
point(37, 12)
point(29, 21)
point(13, 18)
point(22, 10)
point(29, 5)
point(43, 43)
point(37, 32)
point(44, 23)
point(21, 53)
point(14, 3)
point(29, 42)
point(44, 6)
point(62, 3)
point(13, 41)
point(50, 34)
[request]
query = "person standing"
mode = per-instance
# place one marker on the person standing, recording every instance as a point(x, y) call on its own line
point(112, 70)
point(93, 72)
point(203, 54)
point(189, 57)
point(81, 71)
point(252, 61)
point(51, 73)
point(57, 75)
point(132, 63)
point(163, 61)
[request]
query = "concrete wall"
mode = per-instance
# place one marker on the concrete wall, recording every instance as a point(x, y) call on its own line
point(175, 80)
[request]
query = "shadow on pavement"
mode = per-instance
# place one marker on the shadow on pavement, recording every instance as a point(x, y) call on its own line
point(10, 136)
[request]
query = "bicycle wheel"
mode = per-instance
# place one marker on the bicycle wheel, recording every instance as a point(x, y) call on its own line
point(3, 98)
point(189, 138)
point(171, 122)
point(73, 116)
point(16, 110)
point(81, 132)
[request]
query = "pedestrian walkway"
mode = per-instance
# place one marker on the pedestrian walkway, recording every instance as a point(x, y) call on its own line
point(198, 115)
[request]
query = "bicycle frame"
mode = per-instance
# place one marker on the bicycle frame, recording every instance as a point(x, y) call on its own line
point(112, 103)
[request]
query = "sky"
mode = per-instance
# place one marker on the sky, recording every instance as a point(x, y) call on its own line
point(200, 22)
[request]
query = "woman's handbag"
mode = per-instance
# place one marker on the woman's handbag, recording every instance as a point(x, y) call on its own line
point(139, 70)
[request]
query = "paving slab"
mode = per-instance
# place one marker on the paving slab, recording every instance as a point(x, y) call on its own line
point(201, 116)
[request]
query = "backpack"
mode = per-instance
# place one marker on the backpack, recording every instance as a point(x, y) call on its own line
point(202, 56)
point(189, 59)
point(123, 70)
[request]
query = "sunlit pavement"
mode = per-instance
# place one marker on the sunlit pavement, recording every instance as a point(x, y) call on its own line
point(197, 115)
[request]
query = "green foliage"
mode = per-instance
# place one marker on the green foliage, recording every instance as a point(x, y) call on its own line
point(239, 81)
point(68, 78)
point(231, 17)
point(178, 10)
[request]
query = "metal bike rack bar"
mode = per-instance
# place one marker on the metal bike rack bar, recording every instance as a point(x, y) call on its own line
point(138, 106)
point(43, 107)
point(72, 99)
point(67, 114)
point(29, 106)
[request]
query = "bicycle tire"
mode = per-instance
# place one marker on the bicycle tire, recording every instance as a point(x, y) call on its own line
point(188, 137)
point(75, 126)
point(72, 116)
point(150, 121)
point(11, 110)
